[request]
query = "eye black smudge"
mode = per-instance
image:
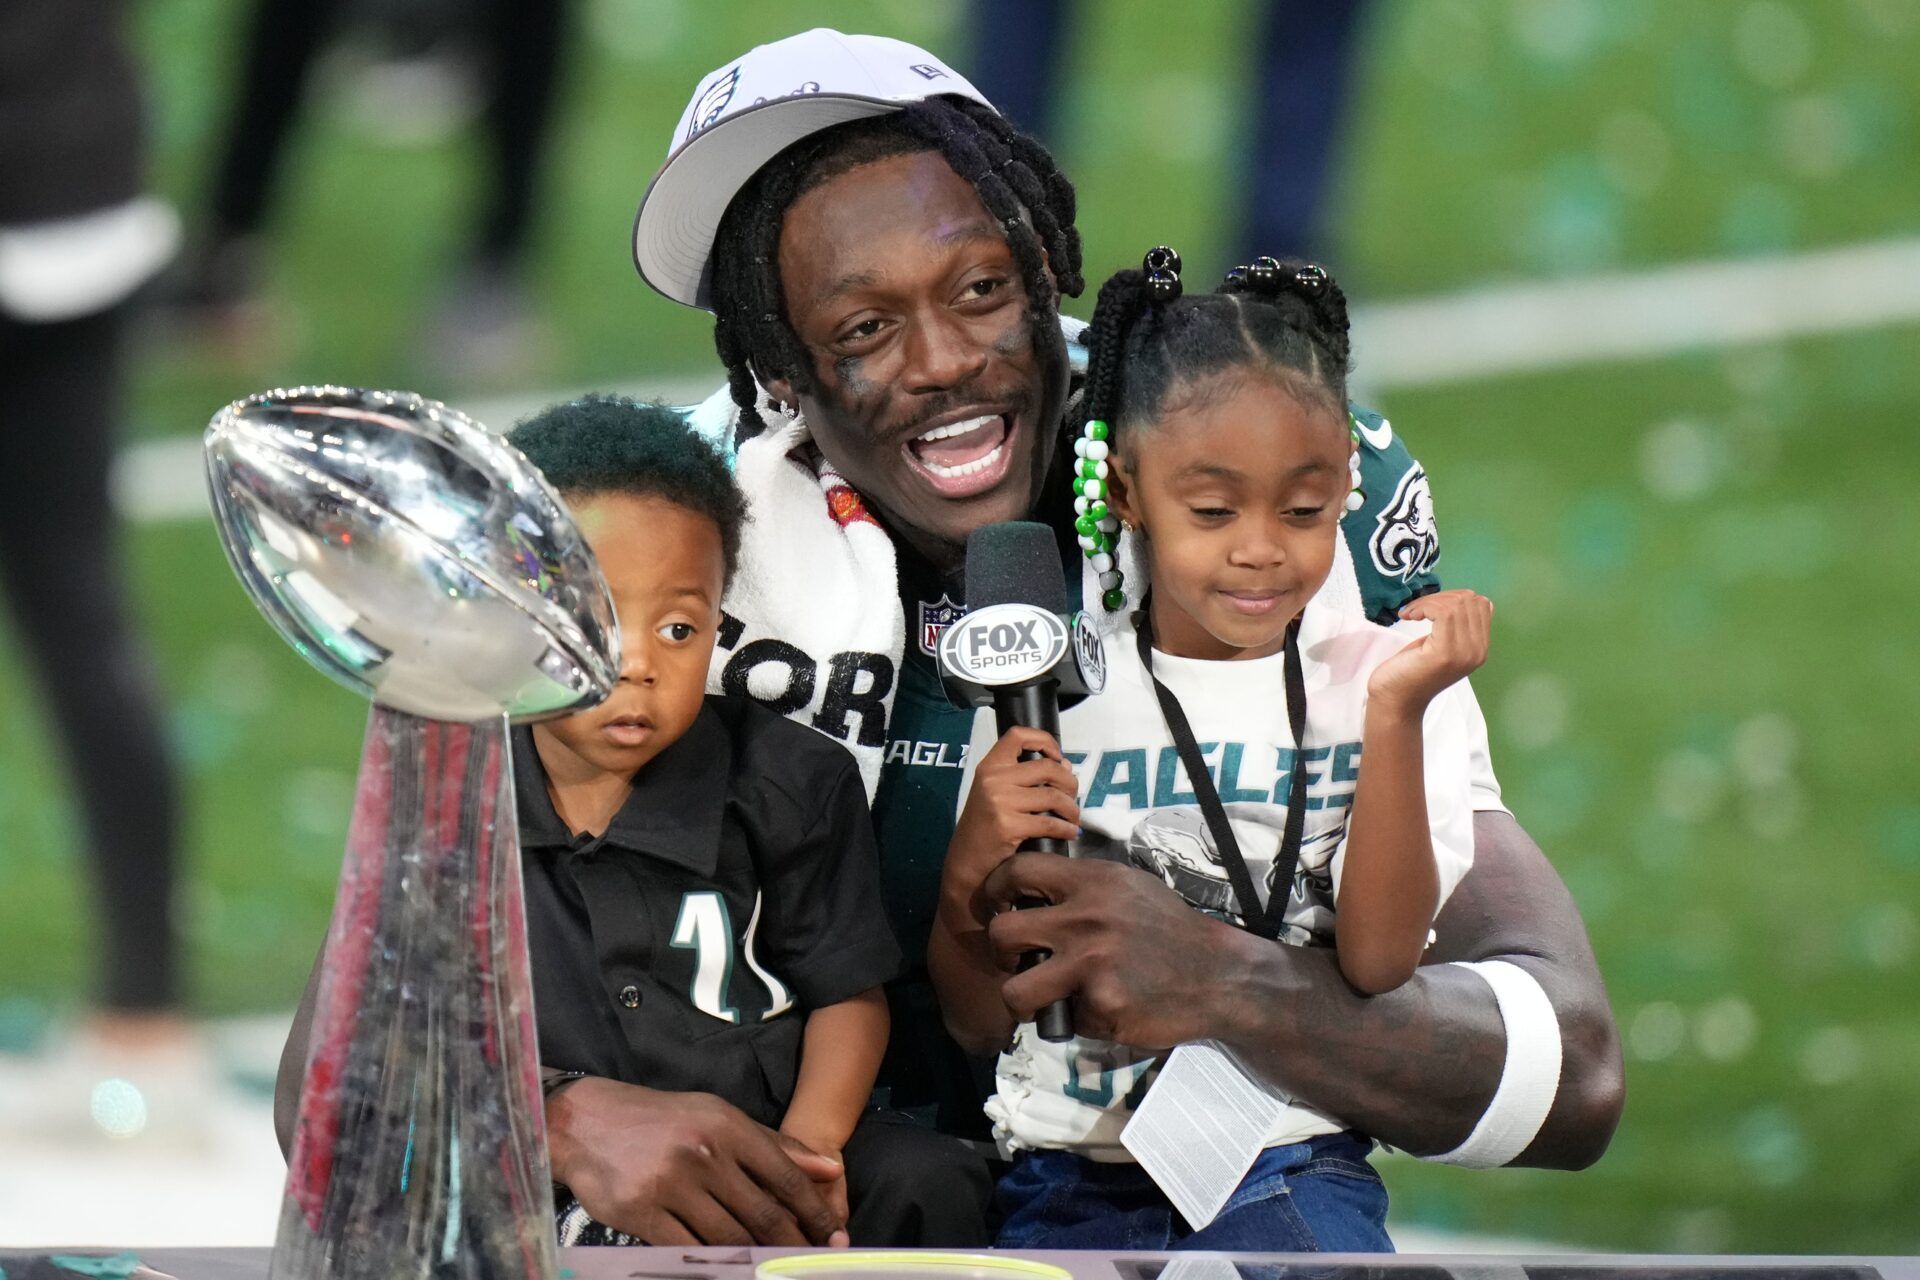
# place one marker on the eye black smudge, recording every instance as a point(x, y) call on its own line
point(852, 374)
point(1014, 343)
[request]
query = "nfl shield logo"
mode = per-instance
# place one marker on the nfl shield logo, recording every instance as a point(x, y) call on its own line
point(934, 618)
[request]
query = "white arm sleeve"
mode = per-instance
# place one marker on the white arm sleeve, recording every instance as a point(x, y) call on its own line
point(1529, 1081)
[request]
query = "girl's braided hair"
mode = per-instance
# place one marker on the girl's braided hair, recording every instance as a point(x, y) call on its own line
point(1286, 319)
point(1286, 316)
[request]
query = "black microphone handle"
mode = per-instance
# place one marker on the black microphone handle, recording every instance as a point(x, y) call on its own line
point(1037, 706)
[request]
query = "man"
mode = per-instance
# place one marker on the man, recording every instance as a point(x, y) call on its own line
point(888, 282)
point(884, 257)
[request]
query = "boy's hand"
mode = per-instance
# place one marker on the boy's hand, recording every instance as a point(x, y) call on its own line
point(1409, 680)
point(834, 1191)
point(1012, 801)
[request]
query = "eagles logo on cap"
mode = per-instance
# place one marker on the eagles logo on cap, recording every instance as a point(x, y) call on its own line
point(746, 113)
point(713, 100)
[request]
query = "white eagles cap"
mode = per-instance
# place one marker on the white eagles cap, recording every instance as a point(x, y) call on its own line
point(745, 114)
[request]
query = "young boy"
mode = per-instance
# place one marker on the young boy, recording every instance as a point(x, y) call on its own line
point(703, 898)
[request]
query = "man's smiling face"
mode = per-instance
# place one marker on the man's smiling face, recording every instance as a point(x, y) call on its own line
point(930, 395)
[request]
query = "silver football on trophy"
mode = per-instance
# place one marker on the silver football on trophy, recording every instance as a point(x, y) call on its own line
point(410, 554)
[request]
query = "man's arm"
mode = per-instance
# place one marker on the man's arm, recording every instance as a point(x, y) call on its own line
point(1415, 1067)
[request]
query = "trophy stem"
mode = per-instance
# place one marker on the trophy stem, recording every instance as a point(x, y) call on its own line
point(420, 1149)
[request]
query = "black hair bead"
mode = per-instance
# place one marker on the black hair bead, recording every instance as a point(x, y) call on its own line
point(1161, 258)
point(1264, 275)
point(1163, 286)
point(1236, 281)
point(1311, 279)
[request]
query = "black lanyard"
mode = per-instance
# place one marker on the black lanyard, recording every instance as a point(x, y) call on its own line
point(1266, 923)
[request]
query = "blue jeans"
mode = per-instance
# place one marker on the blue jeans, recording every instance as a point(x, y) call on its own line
point(1310, 1197)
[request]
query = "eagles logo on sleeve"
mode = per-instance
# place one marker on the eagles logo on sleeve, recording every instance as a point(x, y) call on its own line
point(1405, 541)
point(1392, 540)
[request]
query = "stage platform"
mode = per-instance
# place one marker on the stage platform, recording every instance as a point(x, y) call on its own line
point(740, 1264)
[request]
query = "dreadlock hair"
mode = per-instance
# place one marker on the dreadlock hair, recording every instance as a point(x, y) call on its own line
point(1283, 317)
point(602, 444)
point(1015, 177)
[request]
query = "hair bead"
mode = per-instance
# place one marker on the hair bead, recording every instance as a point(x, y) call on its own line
point(1264, 275)
point(1162, 268)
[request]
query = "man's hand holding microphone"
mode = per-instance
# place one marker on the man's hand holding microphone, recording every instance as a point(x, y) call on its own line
point(1019, 648)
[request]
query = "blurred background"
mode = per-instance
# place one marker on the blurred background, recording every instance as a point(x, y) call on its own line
point(1639, 283)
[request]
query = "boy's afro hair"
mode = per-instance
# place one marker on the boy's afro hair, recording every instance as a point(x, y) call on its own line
point(611, 444)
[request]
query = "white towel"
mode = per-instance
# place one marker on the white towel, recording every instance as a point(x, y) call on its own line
point(814, 625)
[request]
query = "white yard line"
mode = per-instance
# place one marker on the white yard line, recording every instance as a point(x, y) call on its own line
point(165, 479)
point(1685, 307)
point(1458, 337)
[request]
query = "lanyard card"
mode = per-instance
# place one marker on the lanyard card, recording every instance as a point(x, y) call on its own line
point(1200, 1128)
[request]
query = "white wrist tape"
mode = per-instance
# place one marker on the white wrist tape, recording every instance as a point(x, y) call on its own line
point(1531, 1077)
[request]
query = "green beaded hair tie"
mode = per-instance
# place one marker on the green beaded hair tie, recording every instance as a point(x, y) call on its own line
point(1356, 497)
point(1098, 528)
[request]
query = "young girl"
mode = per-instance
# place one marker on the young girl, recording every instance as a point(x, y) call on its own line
point(1294, 769)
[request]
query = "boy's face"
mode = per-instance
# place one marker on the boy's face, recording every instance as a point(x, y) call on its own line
point(666, 569)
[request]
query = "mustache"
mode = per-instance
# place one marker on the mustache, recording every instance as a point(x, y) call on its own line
point(1013, 404)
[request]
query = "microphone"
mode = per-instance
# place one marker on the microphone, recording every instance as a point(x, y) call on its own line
point(1022, 648)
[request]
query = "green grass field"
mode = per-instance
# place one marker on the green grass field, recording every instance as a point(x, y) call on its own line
point(1702, 694)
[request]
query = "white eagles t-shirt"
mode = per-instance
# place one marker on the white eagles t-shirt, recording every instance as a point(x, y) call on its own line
point(1137, 808)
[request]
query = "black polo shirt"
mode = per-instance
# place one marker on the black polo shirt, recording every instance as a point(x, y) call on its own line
point(737, 889)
